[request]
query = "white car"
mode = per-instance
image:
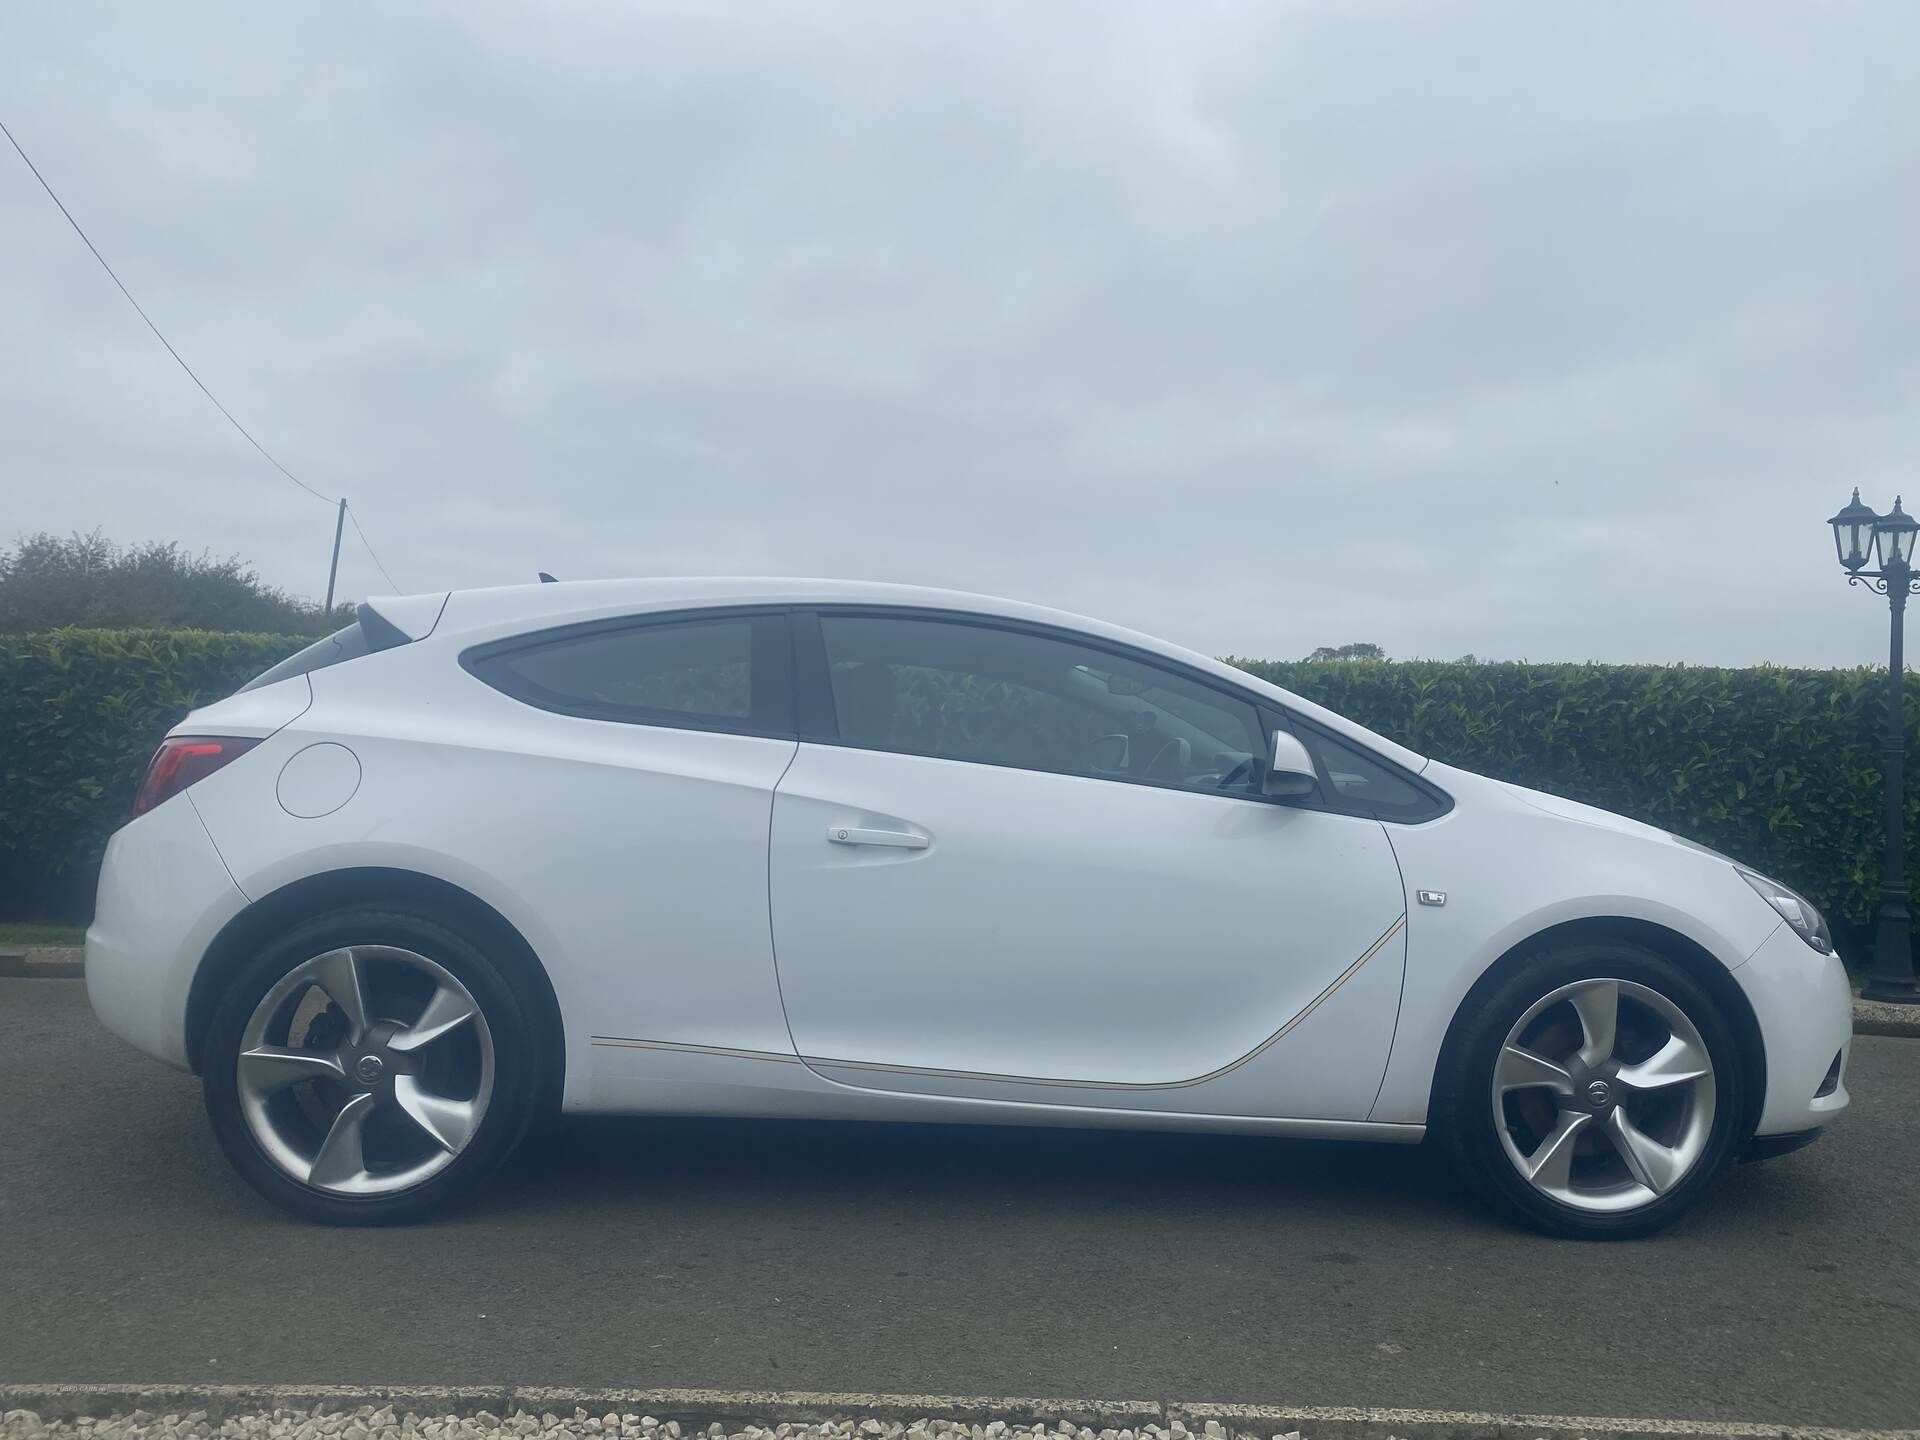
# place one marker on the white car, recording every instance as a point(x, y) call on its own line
point(855, 851)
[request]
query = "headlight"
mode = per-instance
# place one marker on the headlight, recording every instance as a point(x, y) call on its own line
point(1805, 920)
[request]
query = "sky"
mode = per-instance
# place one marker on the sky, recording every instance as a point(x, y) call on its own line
point(1547, 332)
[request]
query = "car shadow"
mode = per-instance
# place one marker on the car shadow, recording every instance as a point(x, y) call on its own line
point(832, 1163)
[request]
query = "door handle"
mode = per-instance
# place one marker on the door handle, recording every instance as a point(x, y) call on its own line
point(900, 839)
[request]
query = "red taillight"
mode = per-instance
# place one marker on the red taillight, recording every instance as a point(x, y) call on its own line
point(183, 759)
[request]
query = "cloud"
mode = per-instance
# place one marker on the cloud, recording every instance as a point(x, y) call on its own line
point(1503, 328)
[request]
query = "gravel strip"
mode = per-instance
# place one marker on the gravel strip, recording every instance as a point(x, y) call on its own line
point(1874, 1017)
point(44, 962)
point(369, 1423)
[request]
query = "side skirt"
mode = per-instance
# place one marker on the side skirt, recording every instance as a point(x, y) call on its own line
point(653, 1077)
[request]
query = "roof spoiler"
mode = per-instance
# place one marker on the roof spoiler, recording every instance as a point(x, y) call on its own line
point(378, 625)
point(391, 620)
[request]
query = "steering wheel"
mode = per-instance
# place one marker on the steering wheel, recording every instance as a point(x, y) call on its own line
point(1170, 761)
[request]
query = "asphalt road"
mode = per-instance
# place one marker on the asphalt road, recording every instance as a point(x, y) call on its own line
point(948, 1260)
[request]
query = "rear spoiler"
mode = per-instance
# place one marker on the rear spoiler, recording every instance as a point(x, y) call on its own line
point(391, 620)
point(378, 625)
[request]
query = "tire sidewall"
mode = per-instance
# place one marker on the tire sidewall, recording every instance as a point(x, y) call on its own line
point(517, 1046)
point(1468, 1117)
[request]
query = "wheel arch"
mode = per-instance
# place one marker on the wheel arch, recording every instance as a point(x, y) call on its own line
point(314, 895)
point(1689, 954)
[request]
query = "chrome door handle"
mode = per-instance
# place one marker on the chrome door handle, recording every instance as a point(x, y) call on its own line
point(901, 839)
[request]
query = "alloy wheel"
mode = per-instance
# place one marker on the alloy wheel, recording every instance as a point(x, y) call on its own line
point(1603, 1095)
point(365, 1071)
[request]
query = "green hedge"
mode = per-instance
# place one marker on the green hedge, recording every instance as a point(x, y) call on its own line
point(1778, 767)
point(80, 714)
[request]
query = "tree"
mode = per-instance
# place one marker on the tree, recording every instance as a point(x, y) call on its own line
point(87, 580)
point(1359, 650)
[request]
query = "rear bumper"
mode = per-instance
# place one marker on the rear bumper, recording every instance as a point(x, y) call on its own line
point(1805, 1008)
point(164, 894)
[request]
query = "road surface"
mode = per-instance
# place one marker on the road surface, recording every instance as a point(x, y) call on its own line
point(949, 1260)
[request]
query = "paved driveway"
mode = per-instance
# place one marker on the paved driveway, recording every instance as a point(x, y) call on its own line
point(949, 1260)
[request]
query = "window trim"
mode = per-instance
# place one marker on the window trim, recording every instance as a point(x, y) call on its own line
point(816, 716)
point(812, 718)
point(774, 667)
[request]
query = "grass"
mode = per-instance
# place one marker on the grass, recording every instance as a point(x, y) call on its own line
point(40, 932)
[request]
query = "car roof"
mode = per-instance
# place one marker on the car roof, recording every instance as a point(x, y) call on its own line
point(473, 616)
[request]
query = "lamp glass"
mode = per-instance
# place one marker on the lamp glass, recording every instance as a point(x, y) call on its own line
point(1853, 540)
point(1853, 531)
point(1893, 537)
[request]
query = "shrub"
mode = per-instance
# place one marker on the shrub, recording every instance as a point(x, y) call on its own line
point(1778, 768)
point(87, 580)
point(80, 714)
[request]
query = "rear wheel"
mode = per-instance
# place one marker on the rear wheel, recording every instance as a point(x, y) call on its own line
point(1595, 1091)
point(371, 1066)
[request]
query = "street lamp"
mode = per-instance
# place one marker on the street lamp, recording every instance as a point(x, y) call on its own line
point(1891, 538)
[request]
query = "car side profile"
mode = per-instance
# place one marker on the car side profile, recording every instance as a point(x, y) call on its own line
point(856, 851)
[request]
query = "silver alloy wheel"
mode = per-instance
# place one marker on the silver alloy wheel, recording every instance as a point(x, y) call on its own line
point(365, 1070)
point(1603, 1095)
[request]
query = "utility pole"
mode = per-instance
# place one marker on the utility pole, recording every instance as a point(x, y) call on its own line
point(339, 522)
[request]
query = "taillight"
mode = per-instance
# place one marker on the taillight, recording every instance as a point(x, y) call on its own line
point(183, 759)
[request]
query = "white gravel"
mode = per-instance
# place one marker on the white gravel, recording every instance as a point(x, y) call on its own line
point(369, 1423)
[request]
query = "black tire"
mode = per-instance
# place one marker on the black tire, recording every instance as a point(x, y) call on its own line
point(523, 1052)
point(1464, 1122)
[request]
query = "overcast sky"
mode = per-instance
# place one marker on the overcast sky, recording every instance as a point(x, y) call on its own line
point(1537, 331)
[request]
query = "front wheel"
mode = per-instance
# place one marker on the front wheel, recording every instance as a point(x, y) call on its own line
point(371, 1066)
point(1596, 1091)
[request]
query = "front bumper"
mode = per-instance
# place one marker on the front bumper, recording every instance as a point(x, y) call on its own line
point(164, 895)
point(1805, 1008)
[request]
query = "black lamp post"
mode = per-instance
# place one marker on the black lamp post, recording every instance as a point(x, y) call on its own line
point(1856, 530)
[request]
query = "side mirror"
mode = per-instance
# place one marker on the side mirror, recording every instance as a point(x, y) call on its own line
point(1290, 773)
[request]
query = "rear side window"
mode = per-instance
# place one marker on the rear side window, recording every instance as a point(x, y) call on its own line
point(728, 673)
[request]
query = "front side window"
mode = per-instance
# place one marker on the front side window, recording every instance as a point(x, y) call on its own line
point(727, 673)
point(1359, 782)
point(965, 691)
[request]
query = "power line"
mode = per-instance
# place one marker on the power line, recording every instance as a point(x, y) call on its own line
point(370, 555)
point(153, 327)
point(215, 399)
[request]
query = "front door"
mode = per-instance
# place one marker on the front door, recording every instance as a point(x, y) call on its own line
point(1033, 868)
